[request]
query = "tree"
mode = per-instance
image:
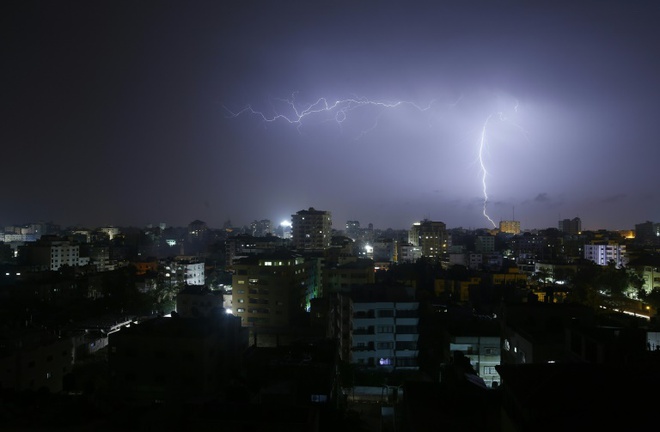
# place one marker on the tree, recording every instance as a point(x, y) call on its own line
point(620, 283)
point(582, 284)
point(652, 298)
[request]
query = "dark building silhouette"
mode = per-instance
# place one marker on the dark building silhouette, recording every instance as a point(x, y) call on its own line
point(570, 226)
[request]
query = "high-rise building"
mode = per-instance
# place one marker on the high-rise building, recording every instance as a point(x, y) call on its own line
point(510, 227)
point(270, 289)
point(430, 236)
point(485, 244)
point(385, 327)
point(311, 229)
point(647, 233)
point(570, 226)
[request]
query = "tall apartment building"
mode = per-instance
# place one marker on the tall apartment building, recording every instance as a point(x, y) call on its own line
point(311, 229)
point(510, 227)
point(333, 313)
point(269, 290)
point(431, 237)
point(647, 233)
point(484, 244)
point(385, 327)
point(570, 226)
point(603, 253)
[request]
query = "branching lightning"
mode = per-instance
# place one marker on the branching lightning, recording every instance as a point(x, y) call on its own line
point(339, 109)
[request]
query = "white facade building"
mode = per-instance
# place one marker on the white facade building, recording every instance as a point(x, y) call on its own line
point(602, 254)
point(193, 273)
point(51, 253)
point(64, 253)
point(186, 270)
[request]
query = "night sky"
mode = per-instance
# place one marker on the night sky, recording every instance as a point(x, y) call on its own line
point(120, 112)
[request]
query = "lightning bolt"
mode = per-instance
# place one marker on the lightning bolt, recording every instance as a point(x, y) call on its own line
point(482, 146)
point(339, 109)
point(484, 172)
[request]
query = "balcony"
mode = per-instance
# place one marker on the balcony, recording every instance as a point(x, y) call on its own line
point(364, 314)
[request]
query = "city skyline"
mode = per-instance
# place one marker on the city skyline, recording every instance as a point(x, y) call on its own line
point(462, 112)
point(340, 226)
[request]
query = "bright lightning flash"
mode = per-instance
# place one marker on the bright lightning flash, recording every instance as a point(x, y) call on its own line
point(338, 108)
point(482, 145)
point(484, 172)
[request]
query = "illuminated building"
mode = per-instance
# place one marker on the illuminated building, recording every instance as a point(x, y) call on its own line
point(269, 290)
point(431, 237)
point(648, 268)
point(112, 232)
point(510, 227)
point(479, 341)
point(185, 270)
point(603, 253)
point(311, 229)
